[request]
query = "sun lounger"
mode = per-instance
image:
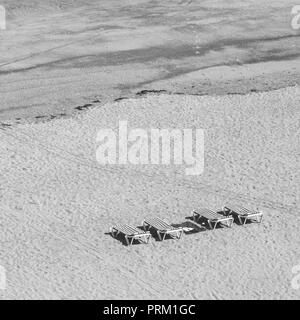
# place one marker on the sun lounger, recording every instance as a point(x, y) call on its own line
point(130, 233)
point(162, 228)
point(212, 218)
point(243, 213)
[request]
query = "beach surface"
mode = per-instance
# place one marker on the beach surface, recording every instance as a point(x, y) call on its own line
point(58, 203)
point(71, 68)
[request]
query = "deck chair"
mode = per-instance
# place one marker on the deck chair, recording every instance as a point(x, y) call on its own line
point(243, 213)
point(212, 218)
point(162, 228)
point(130, 233)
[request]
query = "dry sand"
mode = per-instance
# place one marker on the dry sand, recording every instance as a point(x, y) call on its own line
point(57, 203)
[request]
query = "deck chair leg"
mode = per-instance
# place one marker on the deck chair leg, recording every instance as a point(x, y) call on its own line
point(230, 223)
point(180, 234)
point(159, 235)
point(240, 220)
point(215, 225)
point(195, 216)
point(258, 219)
point(147, 227)
point(209, 223)
point(141, 239)
point(127, 241)
point(245, 220)
point(261, 218)
point(112, 232)
point(144, 226)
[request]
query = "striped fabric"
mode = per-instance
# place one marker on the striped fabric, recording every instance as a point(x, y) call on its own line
point(128, 230)
point(159, 224)
point(241, 210)
point(208, 214)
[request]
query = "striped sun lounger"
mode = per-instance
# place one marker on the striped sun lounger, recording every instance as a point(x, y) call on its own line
point(212, 217)
point(162, 228)
point(130, 233)
point(243, 213)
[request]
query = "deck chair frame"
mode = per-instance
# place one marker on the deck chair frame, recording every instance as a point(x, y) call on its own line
point(162, 228)
point(130, 234)
point(212, 218)
point(243, 214)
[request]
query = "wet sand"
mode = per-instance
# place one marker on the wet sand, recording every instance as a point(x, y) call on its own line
point(58, 56)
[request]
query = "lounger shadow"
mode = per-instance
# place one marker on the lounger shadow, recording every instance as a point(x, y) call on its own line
point(190, 227)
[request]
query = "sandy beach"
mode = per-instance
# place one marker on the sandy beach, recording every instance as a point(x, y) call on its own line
point(57, 203)
point(105, 64)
